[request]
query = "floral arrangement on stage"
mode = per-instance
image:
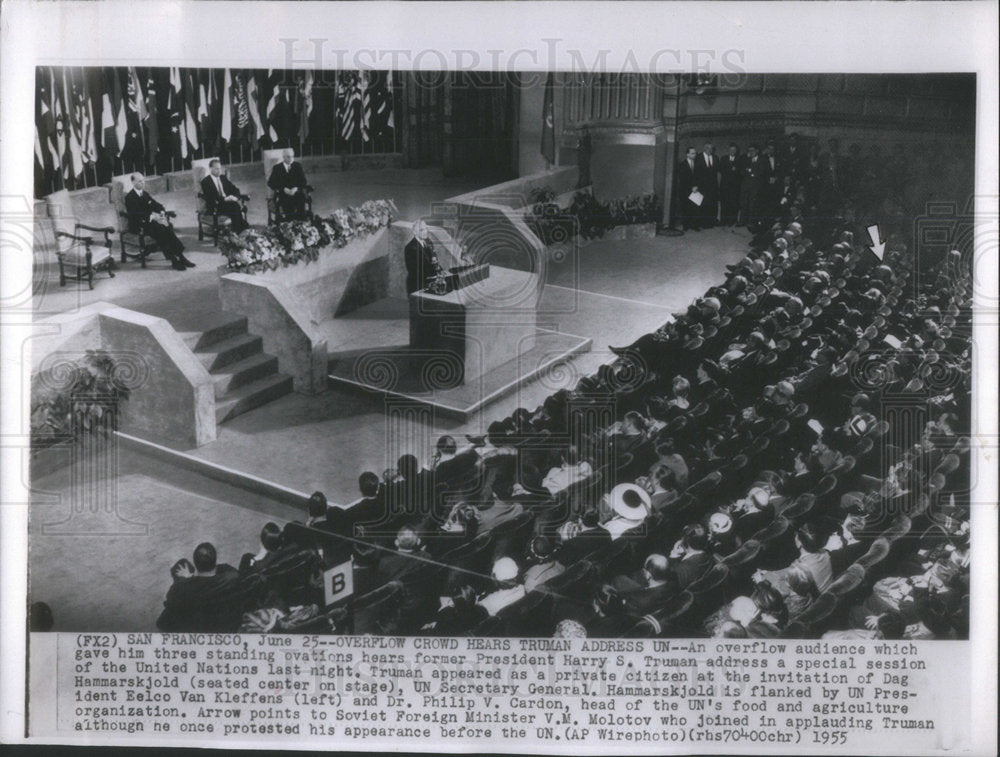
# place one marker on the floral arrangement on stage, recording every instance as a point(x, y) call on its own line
point(291, 242)
point(74, 398)
point(586, 215)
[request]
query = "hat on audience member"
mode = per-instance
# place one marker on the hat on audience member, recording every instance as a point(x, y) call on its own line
point(505, 569)
point(759, 495)
point(720, 524)
point(816, 427)
point(630, 501)
point(743, 610)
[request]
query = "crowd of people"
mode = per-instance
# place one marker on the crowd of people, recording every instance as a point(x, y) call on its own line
point(797, 178)
point(739, 472)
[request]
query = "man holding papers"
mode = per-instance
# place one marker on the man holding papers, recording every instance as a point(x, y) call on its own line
point(689, 199)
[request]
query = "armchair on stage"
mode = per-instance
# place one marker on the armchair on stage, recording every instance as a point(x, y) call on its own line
point(137, 244)
point(211, 220)
point(275, 212)
point(79, 253)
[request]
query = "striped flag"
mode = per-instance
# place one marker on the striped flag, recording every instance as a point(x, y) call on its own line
point(191, 107)
point(113, 122)
point(253, 108)
point(74, 129)
point(226, 126)
point(349, 105)
point(152, 120)
point(135, 114)
point(274, 105)
point(62, 127)
point(175, 114)
point(305, 104)
point(378, 104)
point(45, 126)
point(548, 122)
point(83, 121)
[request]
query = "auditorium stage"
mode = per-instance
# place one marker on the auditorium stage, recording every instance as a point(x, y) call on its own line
point(612, 292)
point(370, 353)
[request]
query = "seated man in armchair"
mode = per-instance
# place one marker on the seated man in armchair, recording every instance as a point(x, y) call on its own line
point(146, 215)
point(223, 197)
point(288, 182)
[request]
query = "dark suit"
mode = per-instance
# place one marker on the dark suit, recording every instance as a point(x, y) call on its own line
point(706, 178)
point(771, 192)
point(582, 545)
point(421, 264)
point(216, 203)
point(730, 177)
point(751, 181)
point(691, 568)
point(688, 214)
point(288, 177)
point(203, 603)
point(397, 565)
point(641, 600)
point(139, 208)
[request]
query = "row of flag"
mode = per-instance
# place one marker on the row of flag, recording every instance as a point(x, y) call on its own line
point(81, 112)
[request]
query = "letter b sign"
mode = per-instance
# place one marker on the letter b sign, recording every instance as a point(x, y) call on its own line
point(338, 582)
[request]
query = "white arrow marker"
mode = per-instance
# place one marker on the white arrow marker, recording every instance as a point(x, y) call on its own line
point(877, 246)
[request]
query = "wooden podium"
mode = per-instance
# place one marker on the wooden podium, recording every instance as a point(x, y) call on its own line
point(488, 319)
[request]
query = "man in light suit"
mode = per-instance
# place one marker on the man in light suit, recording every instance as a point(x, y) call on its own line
point(288, 182)
point(222, 196)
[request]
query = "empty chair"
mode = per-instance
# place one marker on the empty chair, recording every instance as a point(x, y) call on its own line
point(863, 447)
point(826, 485)
point(936, 483)
point(491, 626)
point(899, 529)
point(801, 410)
point(370, 608)
point(848, 581)
point(529, 616)
point(709, 591)
point(798, 510)
point(699, 410)
point(510, 537)
point(705, 486)
point(742, 563)
point(670, 618)
point(471, 562)
point(780, 428)
point(575, 582)
point(961, 446)
point(879, 430)
point(948, 465)
point(818, 610)
point(80, 255)
point(876, 553)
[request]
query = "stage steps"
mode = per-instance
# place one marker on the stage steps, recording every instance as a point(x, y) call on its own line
point(244, 376)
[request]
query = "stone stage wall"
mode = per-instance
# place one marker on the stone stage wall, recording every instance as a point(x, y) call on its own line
point(172, 400)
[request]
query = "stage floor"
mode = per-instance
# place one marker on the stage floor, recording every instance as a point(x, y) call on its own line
point(369, 352)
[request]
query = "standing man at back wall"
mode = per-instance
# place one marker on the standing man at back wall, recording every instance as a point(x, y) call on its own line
point(706, 176)
point(730, 176)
